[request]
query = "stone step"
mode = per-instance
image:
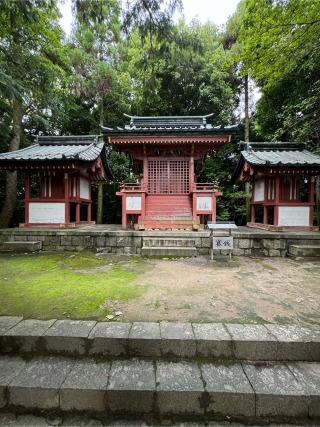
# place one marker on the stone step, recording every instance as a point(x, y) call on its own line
point(72, 420)
point(308, 251)
point(27, 246)
point(168, 242)
point(274, 391)
point(211, 341)
point(174, 251)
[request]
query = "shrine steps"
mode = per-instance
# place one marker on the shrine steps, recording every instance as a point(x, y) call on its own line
point(168, 247)
point(23, 246)
point(155, 371)
point(305, 251)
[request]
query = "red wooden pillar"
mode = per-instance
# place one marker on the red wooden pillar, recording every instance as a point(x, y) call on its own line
point(191, 184)
point(89, 212)
point(27, 194)
point(78, 198)
point(311, 202)
point(277, 200)
point(66, 199)
point(214, 209)
point(253, 214)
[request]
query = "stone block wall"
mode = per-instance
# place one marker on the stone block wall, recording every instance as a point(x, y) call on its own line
point(246, 243)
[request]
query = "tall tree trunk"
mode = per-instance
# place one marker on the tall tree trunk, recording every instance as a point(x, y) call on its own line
point(247, 139)
point(11, 177)
point(100, 184)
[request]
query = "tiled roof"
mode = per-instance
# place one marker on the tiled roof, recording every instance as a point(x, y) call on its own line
point(278, 153)
point(80, 148)
point(168, 124)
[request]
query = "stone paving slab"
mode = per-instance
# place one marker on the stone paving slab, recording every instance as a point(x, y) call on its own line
point(9, 368)
point(85, 387)
point(177, 339)
point(8, 322)
point(309, 374)
point(212, 340)
point(229, 390)
point(38, 383)
point(278, 391)
point(24, 337)
point(252, 342)
point(109, 339)
point(131, 387)
point(145, 339)
point(68, 336)
point(296, 342)
point(179, 388)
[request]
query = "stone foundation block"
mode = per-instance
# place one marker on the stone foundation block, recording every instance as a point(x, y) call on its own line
point(230, 392)
point(8, 322)
point(68, 336)
point(296, 342)
point(85, 387)
point(274, 252)
point(131, 387)
point(245, 243)
point(100, 242)
point(9, 369)
point(177, 339)
point(252, 342)
point(179, 388)
point(24, 337)
point(278, 392)
point(206, 242)
point(110, 339)
point(37, 385)
point(212, 340)
point(145, 339)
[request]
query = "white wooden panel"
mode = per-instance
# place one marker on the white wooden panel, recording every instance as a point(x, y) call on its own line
point(259, 190)
point(46, 213)
point(294, 215)
point(84, 188)
point(204, 204)
point(222, 243)
point(133, 203)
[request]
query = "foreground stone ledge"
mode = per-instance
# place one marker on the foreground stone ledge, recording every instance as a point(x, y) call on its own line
point(10, 367)
point(131, 387)
point(109, 339)
point(296, 342)
point(278, 392)
point(177, 339)
point(85, 387)
point(68, 336)
point(253, 342)
point(229, 390)
point(164, 339)
point(212, 340)
point(38, 383)
point(25, 337)
point(179, 388)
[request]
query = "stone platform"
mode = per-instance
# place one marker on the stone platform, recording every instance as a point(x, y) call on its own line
point(154, 371)
point(112, 239)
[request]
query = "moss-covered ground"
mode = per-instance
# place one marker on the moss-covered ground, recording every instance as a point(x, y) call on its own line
point(78, 286)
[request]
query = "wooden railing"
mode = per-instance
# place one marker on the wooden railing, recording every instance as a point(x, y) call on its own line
point(128, 186)
point(205, 186)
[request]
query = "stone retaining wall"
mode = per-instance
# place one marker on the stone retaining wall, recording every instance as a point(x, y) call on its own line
point(246, 243)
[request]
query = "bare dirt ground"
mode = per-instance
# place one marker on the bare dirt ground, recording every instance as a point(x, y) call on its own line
point(242, 290)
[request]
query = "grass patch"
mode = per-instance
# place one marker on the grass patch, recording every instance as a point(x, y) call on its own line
point(51, 286)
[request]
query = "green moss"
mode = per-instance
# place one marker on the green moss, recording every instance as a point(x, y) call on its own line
point(53, 286)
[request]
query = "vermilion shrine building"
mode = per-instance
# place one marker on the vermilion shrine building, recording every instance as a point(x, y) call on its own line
point(282, 175)
point(58, 173)
point(166, 153)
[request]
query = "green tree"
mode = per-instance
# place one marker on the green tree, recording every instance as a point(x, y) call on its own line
point(31, 64)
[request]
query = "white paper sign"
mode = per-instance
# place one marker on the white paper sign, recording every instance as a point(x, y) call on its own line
point(204, 204)
point(259, 190)
point(46, 213)
point(133, 203)
point(294, 216)
point(222, 243)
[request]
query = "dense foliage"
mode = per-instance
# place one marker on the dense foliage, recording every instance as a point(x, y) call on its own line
point(136, 59)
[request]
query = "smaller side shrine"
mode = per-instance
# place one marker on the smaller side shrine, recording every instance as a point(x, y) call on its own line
point(58, 171)
point(282, 175)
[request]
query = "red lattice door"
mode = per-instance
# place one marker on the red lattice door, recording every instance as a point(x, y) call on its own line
point(168, 176)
